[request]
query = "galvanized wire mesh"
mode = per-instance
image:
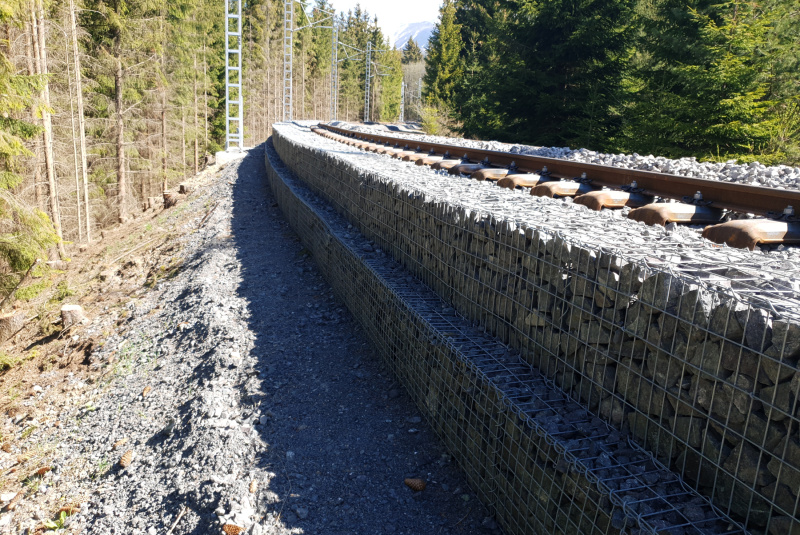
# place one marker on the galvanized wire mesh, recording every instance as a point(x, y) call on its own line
point(703, 378)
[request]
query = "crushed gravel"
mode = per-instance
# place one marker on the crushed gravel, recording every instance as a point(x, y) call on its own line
point(249, 396)
point(754, 173)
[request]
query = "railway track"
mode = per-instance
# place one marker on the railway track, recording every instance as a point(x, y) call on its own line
point(654, 198)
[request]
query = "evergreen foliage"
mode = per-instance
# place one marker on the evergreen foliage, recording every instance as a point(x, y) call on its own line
point(711, 78)
point(707, 99)
point(444, 67)
point(25, 232)
point(412, 53)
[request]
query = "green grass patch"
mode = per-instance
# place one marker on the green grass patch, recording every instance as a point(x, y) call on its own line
point(33, 290)
point(62, 291)
point(7, 361)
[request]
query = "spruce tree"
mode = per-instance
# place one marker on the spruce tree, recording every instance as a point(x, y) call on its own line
point(443, 66)
point(573, 57)
point(702, 89)
point(412, 53)
point(25, 232)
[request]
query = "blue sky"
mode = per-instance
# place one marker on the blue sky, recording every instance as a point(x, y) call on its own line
point(393, 14)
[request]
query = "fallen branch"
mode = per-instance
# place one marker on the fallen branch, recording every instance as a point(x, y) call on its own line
point(180, 515)
point(203, 222)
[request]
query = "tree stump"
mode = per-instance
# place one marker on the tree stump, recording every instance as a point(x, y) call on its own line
point(10, 324)
point(172, 198)
point(71, 315)
point(184, 189)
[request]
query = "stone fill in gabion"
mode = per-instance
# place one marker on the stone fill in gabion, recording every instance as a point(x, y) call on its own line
point(690, 350)
point(542, 461)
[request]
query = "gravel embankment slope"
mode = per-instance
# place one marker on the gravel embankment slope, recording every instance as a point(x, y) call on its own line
point(260, 381)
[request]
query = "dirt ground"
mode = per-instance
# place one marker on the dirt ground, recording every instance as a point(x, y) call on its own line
point(47, 372)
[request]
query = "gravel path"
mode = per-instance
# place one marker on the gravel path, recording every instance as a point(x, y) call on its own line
point(258, 381)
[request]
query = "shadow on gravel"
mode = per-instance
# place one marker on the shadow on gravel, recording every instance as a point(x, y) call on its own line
point(340, 435)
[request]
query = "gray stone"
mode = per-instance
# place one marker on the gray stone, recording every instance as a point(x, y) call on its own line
point(782, 495)
point(591, 356)
point(707, 357)
point(774, 368)
point(604, 377)
point(661, 290)
point(640, 392)
point(592, 332)
point(760, 430)
point(736, 358)
point(689, 430)
point(695, 307)
point(757, 325)
point(604, 299)
point(724, 323)
point(534, 319)
point(785, 474)
point(582, 286)
point(635, 349)
point(716, 398)
point(789, 450)
point(784, 525)
point(692, 467)
point(612, 410)
point(779, 400)
point(608, 281)
point(638, 320)
point(743, 462)
point(663, 368)
point(786, 338)
point(630, 278)
point(656, 439)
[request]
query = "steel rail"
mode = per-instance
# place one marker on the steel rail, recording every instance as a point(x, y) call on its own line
point(736, 197)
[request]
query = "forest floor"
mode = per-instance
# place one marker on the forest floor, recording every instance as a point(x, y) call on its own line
point(215, 353)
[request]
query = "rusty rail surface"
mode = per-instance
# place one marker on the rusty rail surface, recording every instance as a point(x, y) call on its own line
point(736, 197)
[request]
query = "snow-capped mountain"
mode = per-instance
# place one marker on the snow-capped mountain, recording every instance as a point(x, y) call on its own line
point(419, 31)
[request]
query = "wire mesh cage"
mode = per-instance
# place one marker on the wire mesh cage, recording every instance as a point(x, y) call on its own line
point(612, 391)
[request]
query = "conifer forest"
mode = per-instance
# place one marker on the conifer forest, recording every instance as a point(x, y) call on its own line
point(714, 79)
point(108, 103)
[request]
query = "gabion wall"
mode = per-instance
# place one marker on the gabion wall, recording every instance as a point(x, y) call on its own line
point(705, 381)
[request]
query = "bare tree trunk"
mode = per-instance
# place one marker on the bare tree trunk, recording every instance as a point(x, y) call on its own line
point(163, 140)
point(164, 180)
point(196, 126)
point(81, 119)
point(75, 159)
point(303, 81)
point(122, 179)
point(183, 138)
point(37, 169)
point(50, 165)
point(205, 98)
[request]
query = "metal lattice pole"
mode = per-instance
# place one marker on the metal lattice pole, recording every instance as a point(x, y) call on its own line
point(288, 29)
point(234, 101)
point(366, 83)
point(402, 101)
point(335, 73)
